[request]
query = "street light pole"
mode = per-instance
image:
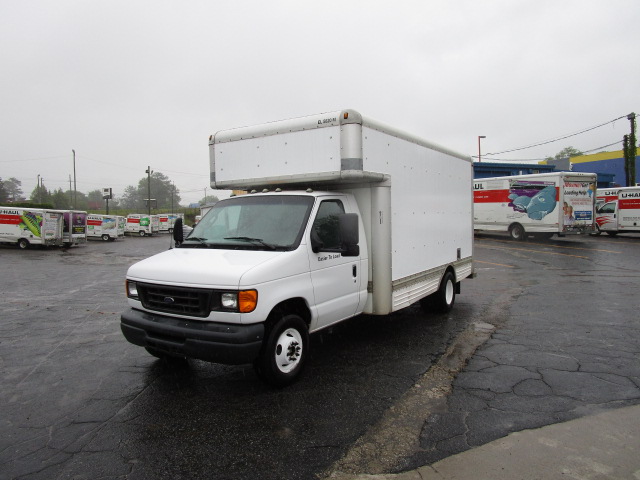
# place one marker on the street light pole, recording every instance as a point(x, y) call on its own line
point(479, 154)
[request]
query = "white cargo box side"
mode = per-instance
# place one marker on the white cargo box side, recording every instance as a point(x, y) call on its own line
point(431, 202)
point(415, 197)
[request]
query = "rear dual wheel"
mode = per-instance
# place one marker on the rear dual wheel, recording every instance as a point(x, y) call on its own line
point(442, 301)
point(516, 232)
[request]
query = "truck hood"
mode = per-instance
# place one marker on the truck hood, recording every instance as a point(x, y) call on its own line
point(202, 267)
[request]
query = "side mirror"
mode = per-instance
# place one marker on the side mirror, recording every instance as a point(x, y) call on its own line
point(316, 243)
point(178, 234)
point(350, 234)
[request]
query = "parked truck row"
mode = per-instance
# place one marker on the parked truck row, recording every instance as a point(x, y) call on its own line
point(46, 227)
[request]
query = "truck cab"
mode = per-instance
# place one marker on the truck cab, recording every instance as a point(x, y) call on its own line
point(280, 265)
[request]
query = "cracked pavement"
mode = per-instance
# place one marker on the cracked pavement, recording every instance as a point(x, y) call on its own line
point(381, 394)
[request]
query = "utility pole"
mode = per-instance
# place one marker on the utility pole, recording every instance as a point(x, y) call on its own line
point(70, 196)
point(631, 147)
point(75, 191)
point(148, 171)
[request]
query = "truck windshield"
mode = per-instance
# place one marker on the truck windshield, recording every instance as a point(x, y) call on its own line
point(269, 222)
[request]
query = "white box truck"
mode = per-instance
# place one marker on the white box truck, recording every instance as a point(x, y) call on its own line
point(620, 212)
point(167, 220)
point(543, 204)
point(348, 216)
point(30, 226)
point(105, 227)
point(142, 224)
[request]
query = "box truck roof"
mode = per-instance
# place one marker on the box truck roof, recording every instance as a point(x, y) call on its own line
point(317, 150)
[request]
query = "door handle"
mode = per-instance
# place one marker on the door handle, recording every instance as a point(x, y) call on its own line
point(354, 271)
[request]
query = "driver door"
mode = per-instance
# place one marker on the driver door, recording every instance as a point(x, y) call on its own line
point(335, 279)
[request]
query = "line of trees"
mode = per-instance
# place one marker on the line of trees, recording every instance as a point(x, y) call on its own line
point(164, 195)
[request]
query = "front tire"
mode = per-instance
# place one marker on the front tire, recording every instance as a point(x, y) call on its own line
point(23, 244)
point(141, 233)
point(284, 353)
point(105, 237)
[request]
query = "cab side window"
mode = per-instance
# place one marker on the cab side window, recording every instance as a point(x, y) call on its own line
point(326, 223)
point(608, 208)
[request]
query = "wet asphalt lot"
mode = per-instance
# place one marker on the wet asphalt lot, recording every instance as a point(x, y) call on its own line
point(79, 402)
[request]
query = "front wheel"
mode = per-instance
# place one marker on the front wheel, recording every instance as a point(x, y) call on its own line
point(612, 234)
point(284, 352)
point(141, 233)
point(23, 244)
point(105, 237)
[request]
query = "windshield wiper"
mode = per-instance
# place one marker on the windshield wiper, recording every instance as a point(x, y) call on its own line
point(199, 239)
point(254, 240)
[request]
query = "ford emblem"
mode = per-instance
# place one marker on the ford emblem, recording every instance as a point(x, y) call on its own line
point(169, 300)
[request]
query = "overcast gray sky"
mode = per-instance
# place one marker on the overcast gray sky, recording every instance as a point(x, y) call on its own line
point(130, 83)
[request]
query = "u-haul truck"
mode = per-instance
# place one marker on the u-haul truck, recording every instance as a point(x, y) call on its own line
point(349, 218)
point(540, 204)
point(30, 226)
point(620, 213)
point(105, 227)
point(167, 220)
point(74, 231)
point(142, 224)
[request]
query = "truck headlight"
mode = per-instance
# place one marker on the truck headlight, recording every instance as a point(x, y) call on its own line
point(244, 301)
point(132, 289)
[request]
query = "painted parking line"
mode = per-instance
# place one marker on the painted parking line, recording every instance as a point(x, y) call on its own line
point(556, 246)
point(492, 263)
point(529, 250)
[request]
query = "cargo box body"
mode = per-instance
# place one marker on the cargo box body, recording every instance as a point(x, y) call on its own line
point(414, 196)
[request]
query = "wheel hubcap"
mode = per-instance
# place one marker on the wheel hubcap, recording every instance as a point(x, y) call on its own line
point(448, 295)
point(288, 350)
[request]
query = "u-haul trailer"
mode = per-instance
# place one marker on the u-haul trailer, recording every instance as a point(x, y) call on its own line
point(543, 204)
point(620, 213)
point(30, 226)
point(348, 216)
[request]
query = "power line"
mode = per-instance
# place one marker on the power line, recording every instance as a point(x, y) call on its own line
point(556, 139)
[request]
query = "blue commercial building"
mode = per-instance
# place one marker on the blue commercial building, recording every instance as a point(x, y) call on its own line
point(606, 165)
point(494, 169)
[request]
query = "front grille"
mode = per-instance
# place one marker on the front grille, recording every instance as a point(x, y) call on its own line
point(195, 302)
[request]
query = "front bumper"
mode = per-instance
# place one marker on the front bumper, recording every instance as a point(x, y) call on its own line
point(210, 341)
